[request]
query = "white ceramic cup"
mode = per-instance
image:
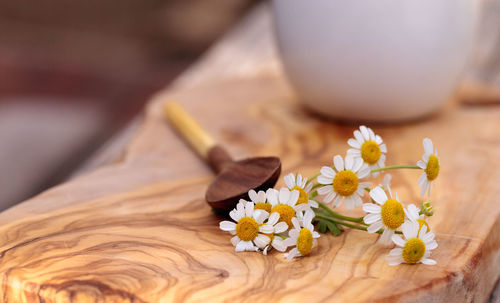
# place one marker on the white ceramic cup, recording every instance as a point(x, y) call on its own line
point(375, 60)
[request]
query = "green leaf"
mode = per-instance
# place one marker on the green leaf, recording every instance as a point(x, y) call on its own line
point(333, 228)
point(322, 226)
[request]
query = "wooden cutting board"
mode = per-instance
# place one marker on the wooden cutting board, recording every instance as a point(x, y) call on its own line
point(149, 236)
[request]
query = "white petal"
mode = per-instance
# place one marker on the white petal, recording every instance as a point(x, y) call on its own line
point(337, 201)
point(396, 252)
point(349, 203)
point(372, 208)
point(328, 198)
point(279, 244)
point(292, 253)
point(295, 223)
point(357, 165)
point(421, 164)
point(338, 162)
point(432, 245)
point(424, 187)
point(372, 135)
point(428, 262)
point(386, 236)
point(290, 242)
point(261, 196)
point(280, 227)
point(253, 195)
point(325, 180)
point(313, 204)
point(378, 140)
point(260, 215)
point(371, 218)
point(293, 233)
point(235, 240)
point(327, 171)
point(284, 195)
point(428, 237)
point(412, 212)
point(349, 162)
point(272, 196)
point(242, 246)
point(383, 148)
point(354, 143)
point(273, 218)
point(398, 240)
point(363, 172)
point(359, 136)
point(308, 216)
point(293, 198)
point(355, 153)
point(410, 229)
point(364, 132)
point(227, 225)
point(375, 227)
point(290, 180)
point(266, 229)
point(378, 194)
point(428, 148)
point(299, 180)
point(235, 215)
point(249, 209)
point(357, 200)
point(261, 240)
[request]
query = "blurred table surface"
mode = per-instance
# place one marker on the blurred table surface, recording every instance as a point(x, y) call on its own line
point(247, 52)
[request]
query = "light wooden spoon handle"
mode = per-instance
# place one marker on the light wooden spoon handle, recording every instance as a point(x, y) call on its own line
point(200, 141)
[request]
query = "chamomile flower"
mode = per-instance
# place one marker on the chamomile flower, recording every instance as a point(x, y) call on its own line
point(300, 184)
point(415, 248)
point(414, 215)
point(260, 200)
point(343, 182)
point(284, 202)
point(430, 165)
point(249, 230)
point(275, 241)
point(302, 236)
point(368, 147)
point(389, 214)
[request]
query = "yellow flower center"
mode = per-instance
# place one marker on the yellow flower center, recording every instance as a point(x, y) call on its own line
point(370, 152)
point(432, 169)
point(392, 214)
point(414, 250)
point(286, 213)
point(247, 229)
point(422, 222)
point(263, 206)
point(345, 183)
point(303, 198)
point(304, 241)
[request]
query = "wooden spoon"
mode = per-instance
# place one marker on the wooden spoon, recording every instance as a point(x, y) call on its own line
point(234, 178)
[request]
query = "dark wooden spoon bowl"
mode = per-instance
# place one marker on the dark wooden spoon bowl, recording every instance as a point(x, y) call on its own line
point(234, 178)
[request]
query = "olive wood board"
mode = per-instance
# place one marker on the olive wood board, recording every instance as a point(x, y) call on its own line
point(139, 230)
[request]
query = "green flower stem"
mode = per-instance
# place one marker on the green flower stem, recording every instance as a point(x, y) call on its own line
point(355, 226)
point(313, 177)
point(341, 217)
point(316, 186)
point(380, 231)
point(395, 167)
point(313, 194)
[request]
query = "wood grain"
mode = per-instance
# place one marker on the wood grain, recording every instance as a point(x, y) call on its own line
point(161, 242)
point(139, 230)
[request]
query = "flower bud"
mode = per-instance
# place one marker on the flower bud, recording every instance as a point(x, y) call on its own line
point(427, 208)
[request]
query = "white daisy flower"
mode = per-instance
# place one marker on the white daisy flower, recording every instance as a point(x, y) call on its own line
point(260, 200)
point(284, 202)
point(430, 165)
point(302, 236)
point(368, 147)
point(416, 248)
point(275, 241)
point(249, 229)
point(300, 184)
point(413, 213)
point(342, 183)
point(389, 214)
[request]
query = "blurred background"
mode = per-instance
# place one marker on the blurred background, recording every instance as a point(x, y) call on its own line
point(75, 73)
